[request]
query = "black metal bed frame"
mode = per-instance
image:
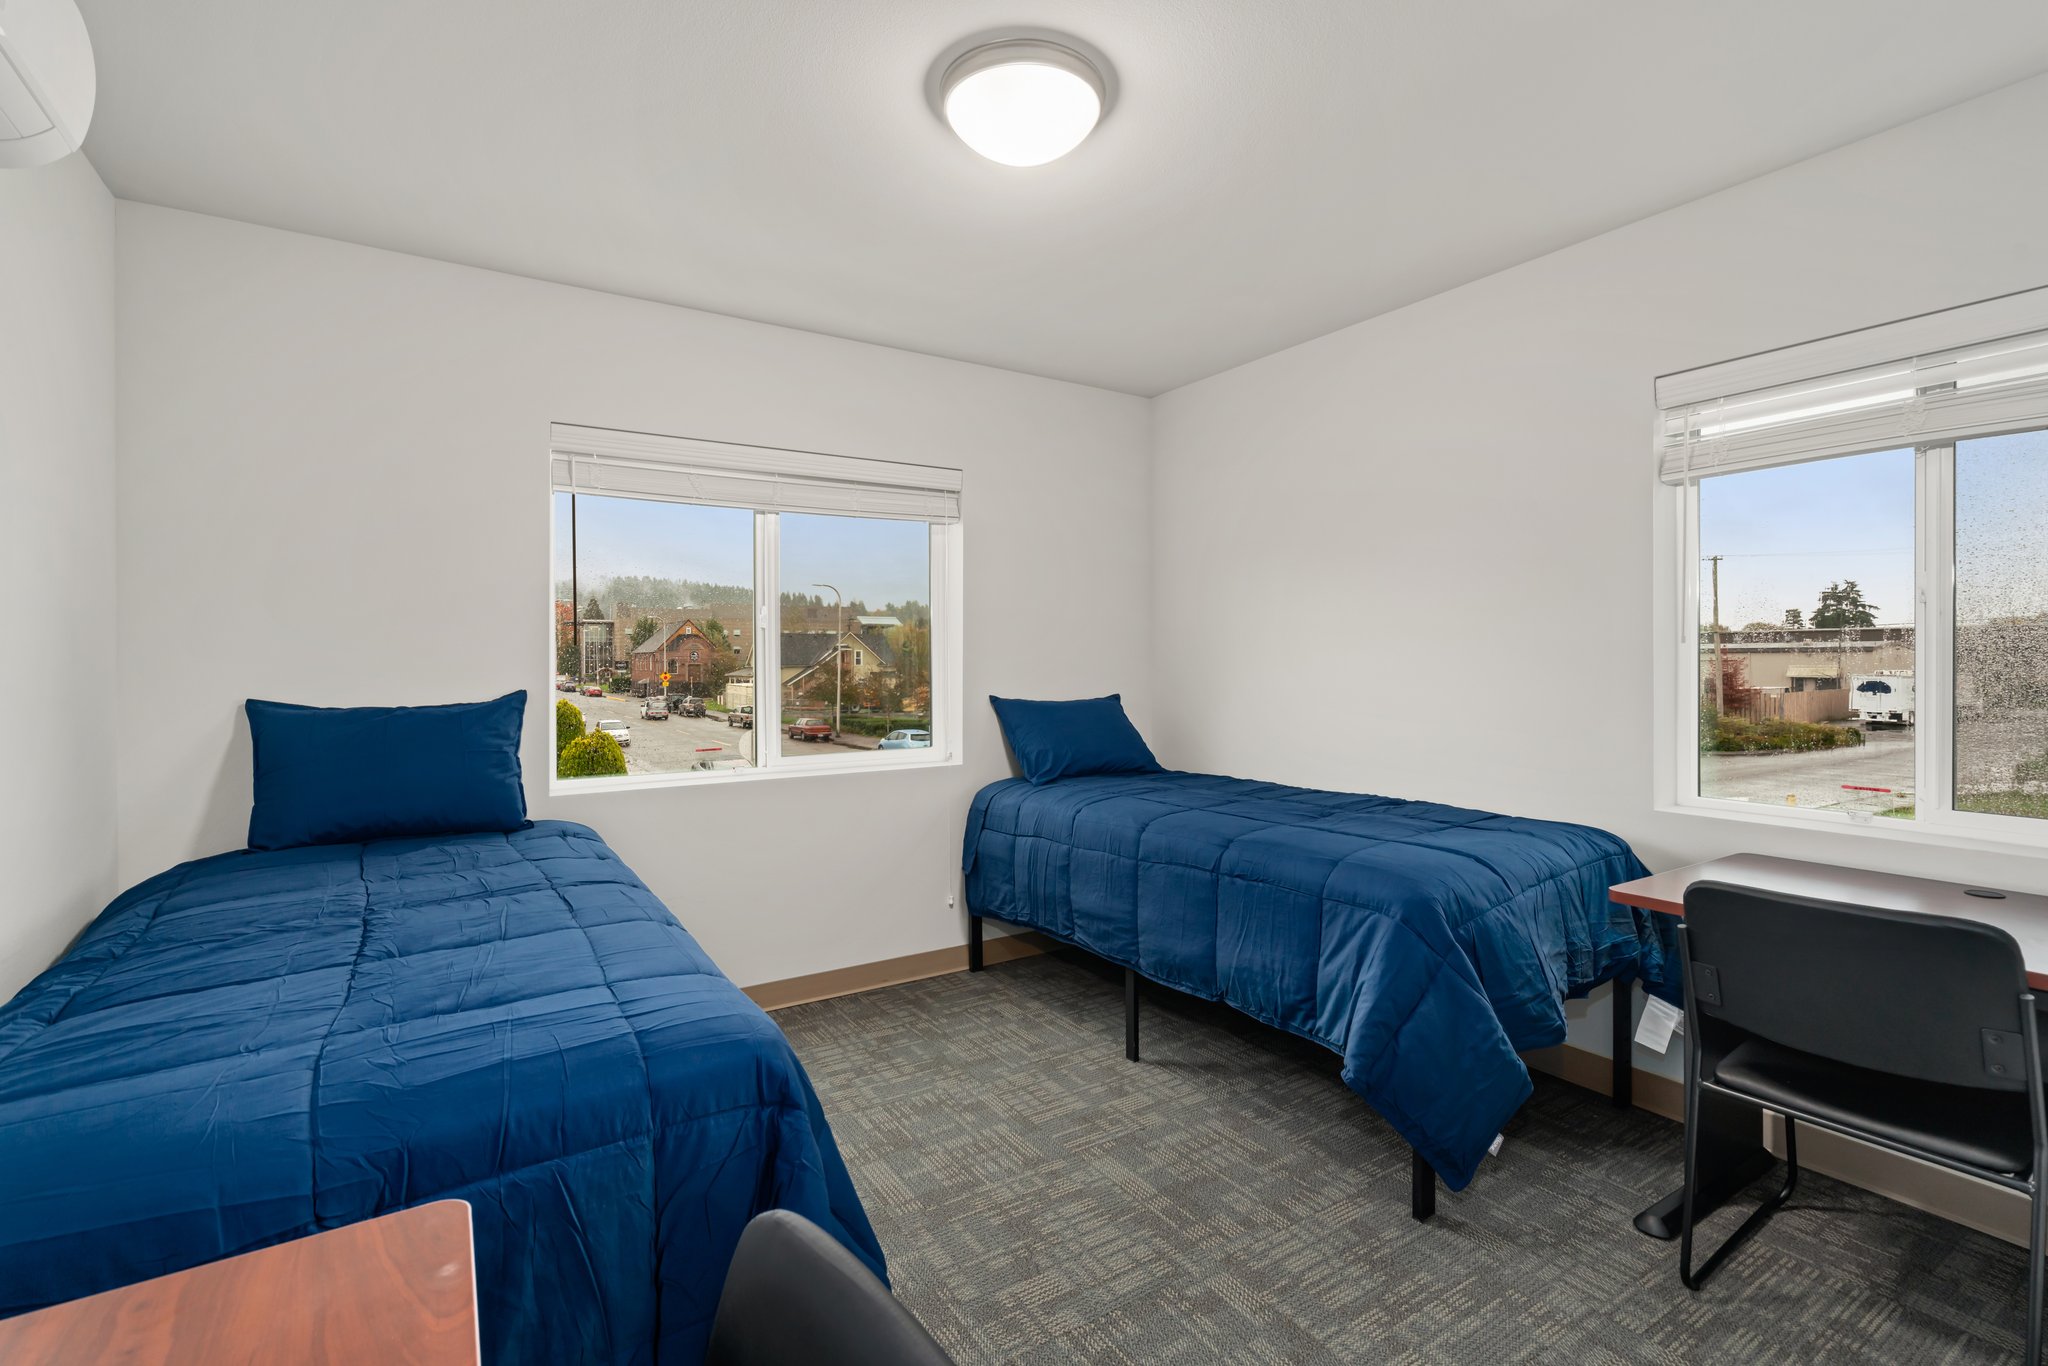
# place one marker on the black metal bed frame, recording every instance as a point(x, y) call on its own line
point(1421, 1176)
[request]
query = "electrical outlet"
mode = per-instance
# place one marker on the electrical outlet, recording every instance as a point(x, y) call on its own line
point(951, 900)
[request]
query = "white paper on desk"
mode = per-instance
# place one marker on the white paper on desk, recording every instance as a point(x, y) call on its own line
point(1659, 1022)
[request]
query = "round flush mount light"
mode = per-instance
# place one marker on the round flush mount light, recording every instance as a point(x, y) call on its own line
point(1022, 101)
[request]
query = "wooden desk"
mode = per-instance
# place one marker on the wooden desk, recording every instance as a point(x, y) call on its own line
point(1731, 1151)
point(2019, 914)
point(398, 1290)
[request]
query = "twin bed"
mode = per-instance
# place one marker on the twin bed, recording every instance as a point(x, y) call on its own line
point(252, 1047)
point(1426, 945)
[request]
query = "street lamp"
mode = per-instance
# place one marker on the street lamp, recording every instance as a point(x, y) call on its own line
point(838, 650)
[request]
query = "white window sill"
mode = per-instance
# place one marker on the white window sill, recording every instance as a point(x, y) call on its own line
point(1981, 833)
point(789, 768)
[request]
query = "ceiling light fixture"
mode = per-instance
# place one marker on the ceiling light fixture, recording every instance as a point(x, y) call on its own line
point(1022, 101)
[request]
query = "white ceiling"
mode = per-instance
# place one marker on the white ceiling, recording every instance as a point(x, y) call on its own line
point(1270, 169)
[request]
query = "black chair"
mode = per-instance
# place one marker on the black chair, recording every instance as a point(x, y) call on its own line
point(795, 1297)
point(1912, 1032)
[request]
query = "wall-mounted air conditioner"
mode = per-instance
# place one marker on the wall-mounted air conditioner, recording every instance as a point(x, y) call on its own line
point(47, 84)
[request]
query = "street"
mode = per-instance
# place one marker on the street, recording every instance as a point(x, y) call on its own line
point(684, 742)
point(1814, 779)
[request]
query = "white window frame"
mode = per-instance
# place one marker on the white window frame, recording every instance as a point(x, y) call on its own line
point(771, 763)
point(1934, 820)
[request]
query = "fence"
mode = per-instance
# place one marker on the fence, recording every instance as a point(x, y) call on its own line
point(1827, 704)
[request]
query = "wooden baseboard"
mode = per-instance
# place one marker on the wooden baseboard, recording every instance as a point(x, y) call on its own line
point(890, 972)
point(1658, 1094)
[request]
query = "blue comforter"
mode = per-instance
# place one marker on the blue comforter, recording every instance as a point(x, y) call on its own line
point(1424, 944)
point(256, 1046)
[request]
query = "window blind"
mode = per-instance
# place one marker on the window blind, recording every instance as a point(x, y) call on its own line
point(1932, 379)
point(684, 470)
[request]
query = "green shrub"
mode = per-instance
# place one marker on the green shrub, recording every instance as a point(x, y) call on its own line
point(568, 723)
point(595, 755)
point(1739, 735)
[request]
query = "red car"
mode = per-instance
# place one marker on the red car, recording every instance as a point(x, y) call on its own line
point(593, 691)
point(810, 730)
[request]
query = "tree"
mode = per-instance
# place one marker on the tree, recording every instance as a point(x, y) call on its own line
point(914, 663)
point(1842, 605)
point(595, 755)
point(568, 724)
point(1762, 626)
point(566, 661)
point(642, 629)
point(707, 676)
point(593, 612)
point(1736, 692)
point(1795, 620)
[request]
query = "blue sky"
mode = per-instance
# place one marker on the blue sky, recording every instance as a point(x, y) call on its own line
point(1786, 533)
point(872, 559)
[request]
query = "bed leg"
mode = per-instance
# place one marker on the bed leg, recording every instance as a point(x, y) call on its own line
point(974, 943)
point(1623, 1044)
point(1131, 1014)
point(1421, 1186)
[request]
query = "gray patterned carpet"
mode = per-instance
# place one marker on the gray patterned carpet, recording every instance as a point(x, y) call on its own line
point(1228, 1200)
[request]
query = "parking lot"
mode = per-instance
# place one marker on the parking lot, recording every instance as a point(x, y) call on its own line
point(1988, 751)
point(685, 742)
point(1819, 779)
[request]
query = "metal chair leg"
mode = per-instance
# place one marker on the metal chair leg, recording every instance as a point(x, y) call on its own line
point(2037, 1199)
point(2037, 1247)
point(1693, 1280)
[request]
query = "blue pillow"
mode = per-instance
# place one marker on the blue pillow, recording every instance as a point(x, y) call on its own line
point(1073, 739)
point(336, 775)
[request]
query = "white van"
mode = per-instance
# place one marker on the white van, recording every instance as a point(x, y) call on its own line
point(1882, 699)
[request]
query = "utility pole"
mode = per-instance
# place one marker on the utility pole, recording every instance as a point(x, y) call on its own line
point(1720, 670)
point(838, 651)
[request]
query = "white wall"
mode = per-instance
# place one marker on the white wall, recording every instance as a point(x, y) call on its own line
point(333, 489)
point(57, 555)
point(1487, 511)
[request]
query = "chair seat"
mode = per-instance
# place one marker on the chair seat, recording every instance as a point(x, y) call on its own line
point(1986, 1129)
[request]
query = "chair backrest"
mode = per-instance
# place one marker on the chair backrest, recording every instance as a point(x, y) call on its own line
point(795, 1297)
point(1917, 996)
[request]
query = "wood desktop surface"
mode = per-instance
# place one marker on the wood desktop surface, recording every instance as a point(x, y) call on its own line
point(397, 1290)
point(2020, 914)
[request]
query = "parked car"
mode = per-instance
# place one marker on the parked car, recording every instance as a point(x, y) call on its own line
point(653, 709)
point(743, 717)
point(907, 739)
point(565, 685)
point(592, 690)
point(686, 706)
point(809, 729)
point(618, 730)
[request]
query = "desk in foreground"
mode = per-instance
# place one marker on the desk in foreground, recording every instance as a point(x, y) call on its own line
point(397, 1290)
point(1731, 1150)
